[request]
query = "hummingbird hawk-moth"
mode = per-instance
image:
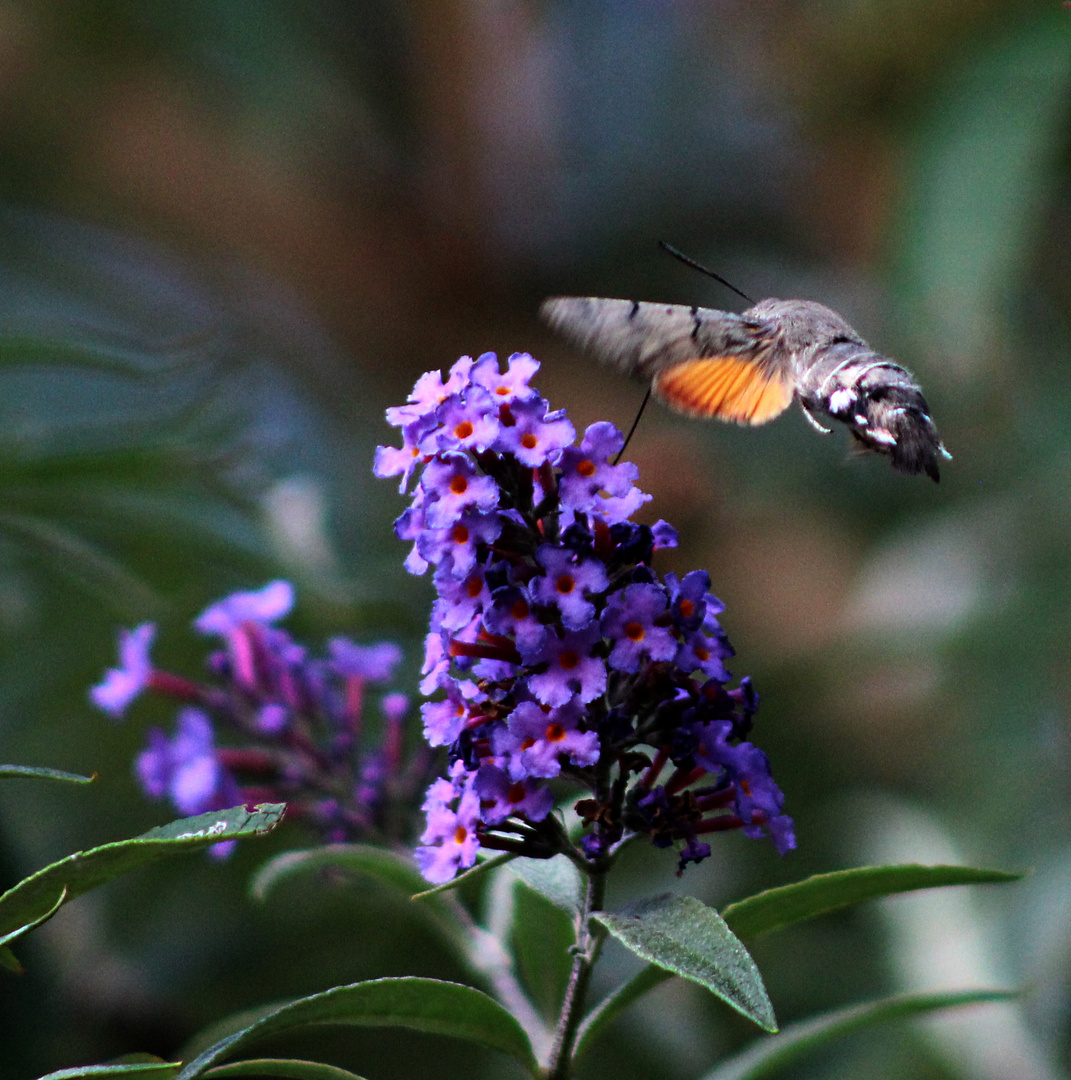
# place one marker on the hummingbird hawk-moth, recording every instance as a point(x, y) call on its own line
point(747, 368)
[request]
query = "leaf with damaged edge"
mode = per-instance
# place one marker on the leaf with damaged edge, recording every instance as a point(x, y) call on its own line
point(38, 772)
point(35, 896)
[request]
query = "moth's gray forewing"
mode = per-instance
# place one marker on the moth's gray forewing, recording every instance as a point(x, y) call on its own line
point(643, 338)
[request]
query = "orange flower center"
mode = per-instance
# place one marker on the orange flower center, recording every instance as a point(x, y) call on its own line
point(634, 631)
point(555, 733)
point(565, 584)
point(702, 654)
point(459, 485)
point(516, 792)
point(529, 441)
point(460, 534)
point(520, 610)
point(460, 834)
point(464, 429)
point(687, 608)
point(502, 391)
point(586, 468)
point(474, 586)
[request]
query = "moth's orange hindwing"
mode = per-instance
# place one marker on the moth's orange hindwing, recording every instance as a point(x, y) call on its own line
point(725, 387)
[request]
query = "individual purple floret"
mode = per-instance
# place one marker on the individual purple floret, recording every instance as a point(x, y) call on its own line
point(121, 685)
point(450, 839)
point(634, 620)
point(556, 653)
point(568, 583)
point(187, 768)
point(263, 607)
point(568, 667)
point(372, 663)
point(509, 386)
point(273, 724)
point(532, 434)
point(537, 740)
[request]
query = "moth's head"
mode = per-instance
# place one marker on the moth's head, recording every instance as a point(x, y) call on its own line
point(803, 324)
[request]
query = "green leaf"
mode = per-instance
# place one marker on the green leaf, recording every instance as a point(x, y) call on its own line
point(362, 861)
point(36, 896)
point(288, 1067)
point(346, 860)
point(684, 936)
point(595, 1023)
point(10, 961)
point(140, 1057)
point(8, 772)
point(540, 939)
point(439, 1008)
point(770, 1056)
point(556, 880)
point(164, 1070)
point(775, 909)
point(13, 935)
point(985, 161)
point(144, 414)
point(223, 1028)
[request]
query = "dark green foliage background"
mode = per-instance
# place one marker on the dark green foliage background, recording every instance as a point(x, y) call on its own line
point(236, 232)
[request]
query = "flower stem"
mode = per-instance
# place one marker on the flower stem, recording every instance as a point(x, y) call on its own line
point(588, 941)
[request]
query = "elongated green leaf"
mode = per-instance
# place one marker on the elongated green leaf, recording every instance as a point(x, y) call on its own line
point(540, 940)
point(14, 935)
point(439, 1008)
point(10, 961)
point(770, 1056)
point(345, 860)
point(363, 862)
point(684, 936)
point(74, 558)
point(223, 1028)
point(8, 772)
point(288, 1067)
point(775, 909)
point(985, 159)
point(556, 880)
point(35, 897)
point(164, 1070)
point(595, 1023)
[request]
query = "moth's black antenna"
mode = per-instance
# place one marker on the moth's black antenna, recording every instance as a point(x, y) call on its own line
point(670, 249)
point(631, 430)
point(702, 269)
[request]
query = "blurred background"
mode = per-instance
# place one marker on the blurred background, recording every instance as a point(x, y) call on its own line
point(233, 233)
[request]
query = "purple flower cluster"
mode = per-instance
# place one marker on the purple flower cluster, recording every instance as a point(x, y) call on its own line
point(555, 650)
point(294, 723)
